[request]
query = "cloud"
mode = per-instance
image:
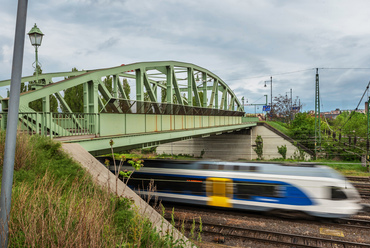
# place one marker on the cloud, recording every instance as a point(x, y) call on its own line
point(243, 42)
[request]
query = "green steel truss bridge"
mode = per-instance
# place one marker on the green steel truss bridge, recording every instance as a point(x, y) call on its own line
point(174, 101)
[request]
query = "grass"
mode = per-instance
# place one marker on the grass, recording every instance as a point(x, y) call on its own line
point(348, 168)
point(56, 204)
point(279, 126)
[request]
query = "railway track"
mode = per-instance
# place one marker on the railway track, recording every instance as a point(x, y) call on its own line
point(362, 184)
point(364, 224)
point(243, 235)
point(359, 179)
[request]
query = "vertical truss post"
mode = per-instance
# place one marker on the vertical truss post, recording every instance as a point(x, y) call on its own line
point(46, 104)
point(139, 85)
point(90, 104)
point(169, 89)
point(139, 90)
point(190, 86)
point(204, 79)
point(317, 115)
point(115, 86)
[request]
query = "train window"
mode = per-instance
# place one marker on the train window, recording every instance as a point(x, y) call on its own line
point(247, 168)
point(209, 166)
point(337, 194)
point(170, 184)
point(245, 190)
point(221, 167)
point(204, 166)
point(236, 167)
point(244, 168)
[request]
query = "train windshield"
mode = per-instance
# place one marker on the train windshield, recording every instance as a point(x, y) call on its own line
point(313, 171)
point(332, 173)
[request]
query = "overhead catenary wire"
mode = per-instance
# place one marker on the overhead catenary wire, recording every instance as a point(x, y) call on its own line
point(350, 116)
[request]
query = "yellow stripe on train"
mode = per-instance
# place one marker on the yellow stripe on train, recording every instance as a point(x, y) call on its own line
point(219, 191)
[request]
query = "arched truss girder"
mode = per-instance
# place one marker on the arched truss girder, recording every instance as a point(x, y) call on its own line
point(178, 79)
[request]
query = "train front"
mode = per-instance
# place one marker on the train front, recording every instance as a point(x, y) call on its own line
point(341, 199)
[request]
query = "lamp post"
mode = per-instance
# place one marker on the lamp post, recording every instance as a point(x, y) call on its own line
point(36, 35)
point(266, 106)
point(271, 92)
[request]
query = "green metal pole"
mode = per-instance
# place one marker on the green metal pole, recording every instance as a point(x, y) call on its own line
point(37, 65)
point(368, 127)
point(317, 115)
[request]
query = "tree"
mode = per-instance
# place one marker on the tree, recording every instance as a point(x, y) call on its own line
point(37, 104)
point(200, 93)
point(302, 129)
point(284, 109)
point(164, 95)
point(126, 89)
point(74, 97)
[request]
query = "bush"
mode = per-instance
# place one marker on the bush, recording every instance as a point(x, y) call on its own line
point(282, 151)
point(259, 146)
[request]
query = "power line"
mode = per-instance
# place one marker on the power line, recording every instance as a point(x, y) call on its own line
point(277, 74)
point(350, 116)
point(345, 68)
point(309, 69)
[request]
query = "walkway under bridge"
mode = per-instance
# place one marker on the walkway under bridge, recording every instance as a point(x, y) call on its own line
point(173, 101)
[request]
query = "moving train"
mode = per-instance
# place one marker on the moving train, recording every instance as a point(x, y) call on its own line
point(284, 189)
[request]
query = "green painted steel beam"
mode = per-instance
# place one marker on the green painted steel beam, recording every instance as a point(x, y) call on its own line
point(169, 88)
point(149, 89)
point(142, 73)
point(99, 146)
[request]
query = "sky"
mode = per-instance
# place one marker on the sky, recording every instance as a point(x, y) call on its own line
point(244, 42)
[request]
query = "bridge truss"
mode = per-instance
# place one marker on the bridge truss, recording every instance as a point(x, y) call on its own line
point(162, 88)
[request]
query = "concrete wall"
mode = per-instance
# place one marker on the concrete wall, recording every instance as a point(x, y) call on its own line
point(231, 146)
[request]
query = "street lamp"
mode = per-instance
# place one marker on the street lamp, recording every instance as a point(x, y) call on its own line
point(271, 93)
point(266, 106)
point(271, 88)
point(36, 35)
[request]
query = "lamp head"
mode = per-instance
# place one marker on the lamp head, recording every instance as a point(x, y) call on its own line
point(35, 35)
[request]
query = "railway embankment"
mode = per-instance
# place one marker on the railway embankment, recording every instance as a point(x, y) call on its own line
point(105, 178)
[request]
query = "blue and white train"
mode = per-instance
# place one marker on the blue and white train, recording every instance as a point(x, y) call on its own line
point(314, 190)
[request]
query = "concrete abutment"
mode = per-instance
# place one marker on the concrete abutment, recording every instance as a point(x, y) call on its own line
point(234, 146)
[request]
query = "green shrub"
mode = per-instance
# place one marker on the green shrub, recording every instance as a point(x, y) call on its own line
point(259, 146)
point(282, 151)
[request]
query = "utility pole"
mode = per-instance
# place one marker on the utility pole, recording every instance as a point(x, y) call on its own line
point(271, 91)
point(291, 104)
point(317, 115)
point(266, 106)
point(367, 133)
point(11, 130)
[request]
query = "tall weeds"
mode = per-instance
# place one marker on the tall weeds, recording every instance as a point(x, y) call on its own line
point(24, 154)
point(44, 215)
point(56, 204)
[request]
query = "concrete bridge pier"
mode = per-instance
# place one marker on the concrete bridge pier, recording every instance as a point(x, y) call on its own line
point(234, 145)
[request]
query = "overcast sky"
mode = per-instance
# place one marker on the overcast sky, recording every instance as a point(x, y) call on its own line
point(244, 42)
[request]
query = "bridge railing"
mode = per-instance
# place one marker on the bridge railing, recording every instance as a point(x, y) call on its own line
point(55, 124)
point(141, 107)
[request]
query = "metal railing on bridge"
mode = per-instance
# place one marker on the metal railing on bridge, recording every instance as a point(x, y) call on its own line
point(78, 124)
point(140, 107)
point(55, 124)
